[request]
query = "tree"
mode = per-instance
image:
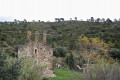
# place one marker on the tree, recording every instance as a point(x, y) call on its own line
point(15, 21)
point(38, 20)
point(25, 20)
point(115, 20)
point(60, 51)
point(70, 61)
point(61, 19)
point(92, 19)
point(57, 20)
point(103, 20)
point(108, 20)
point(98, 20)
point(91, 49)
point(76, 18)
point(33, 20)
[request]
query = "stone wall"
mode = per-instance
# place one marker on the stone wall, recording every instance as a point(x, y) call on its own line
point(39, 51)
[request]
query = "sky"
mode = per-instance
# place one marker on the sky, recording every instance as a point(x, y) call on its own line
point(47, 10)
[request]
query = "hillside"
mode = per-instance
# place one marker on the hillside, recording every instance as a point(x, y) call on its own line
point(61, 34)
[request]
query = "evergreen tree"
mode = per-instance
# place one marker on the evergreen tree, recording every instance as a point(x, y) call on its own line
point(92, 19)
point(70, 61)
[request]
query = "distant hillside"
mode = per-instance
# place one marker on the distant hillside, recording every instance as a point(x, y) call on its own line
point(62, 34)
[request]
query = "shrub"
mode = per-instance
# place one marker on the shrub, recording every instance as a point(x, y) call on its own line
point(104, 71)
point(100, 71)
point(115, 53)
point(60, 52)
point(23, 69)
point(70, 61)
point(9, 68)
point(59, 62)
point(30, 70)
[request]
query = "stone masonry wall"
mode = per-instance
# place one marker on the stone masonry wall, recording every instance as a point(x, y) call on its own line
point(39, 51)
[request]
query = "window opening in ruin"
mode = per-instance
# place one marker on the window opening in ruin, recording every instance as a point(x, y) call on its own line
point(36, 52)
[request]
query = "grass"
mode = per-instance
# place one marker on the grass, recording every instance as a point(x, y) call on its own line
point(65, 74)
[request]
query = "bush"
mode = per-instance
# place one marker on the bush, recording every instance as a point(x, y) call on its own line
point(23, 69)
point(59, 62)
point(115, 53)
point(60, 52)
point(9, 68)
point(104, 71)
point(100, 71)
point(70, 61)
point(30, 70)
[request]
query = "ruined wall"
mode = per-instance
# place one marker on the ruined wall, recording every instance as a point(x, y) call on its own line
point(39, 51)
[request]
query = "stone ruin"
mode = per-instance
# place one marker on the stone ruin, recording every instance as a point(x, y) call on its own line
point(39, 51)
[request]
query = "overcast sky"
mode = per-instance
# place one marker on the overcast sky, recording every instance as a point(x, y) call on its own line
point(50, 9)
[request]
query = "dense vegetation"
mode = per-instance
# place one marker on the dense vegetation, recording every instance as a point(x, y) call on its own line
point(73, 42)
point(63, 35)
point(19, 69)
point(99, 71)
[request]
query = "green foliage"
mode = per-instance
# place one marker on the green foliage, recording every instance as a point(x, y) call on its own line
point(14, 69)
point(61, 61)
point(115, 53)
point(31, 70)
point(70, 61)
point(60, 52)
point(9, 68)
point(61, 33)
point(100, 71)
point(104, 71)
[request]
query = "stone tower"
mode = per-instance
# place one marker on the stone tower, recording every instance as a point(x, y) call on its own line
point(39, 51)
